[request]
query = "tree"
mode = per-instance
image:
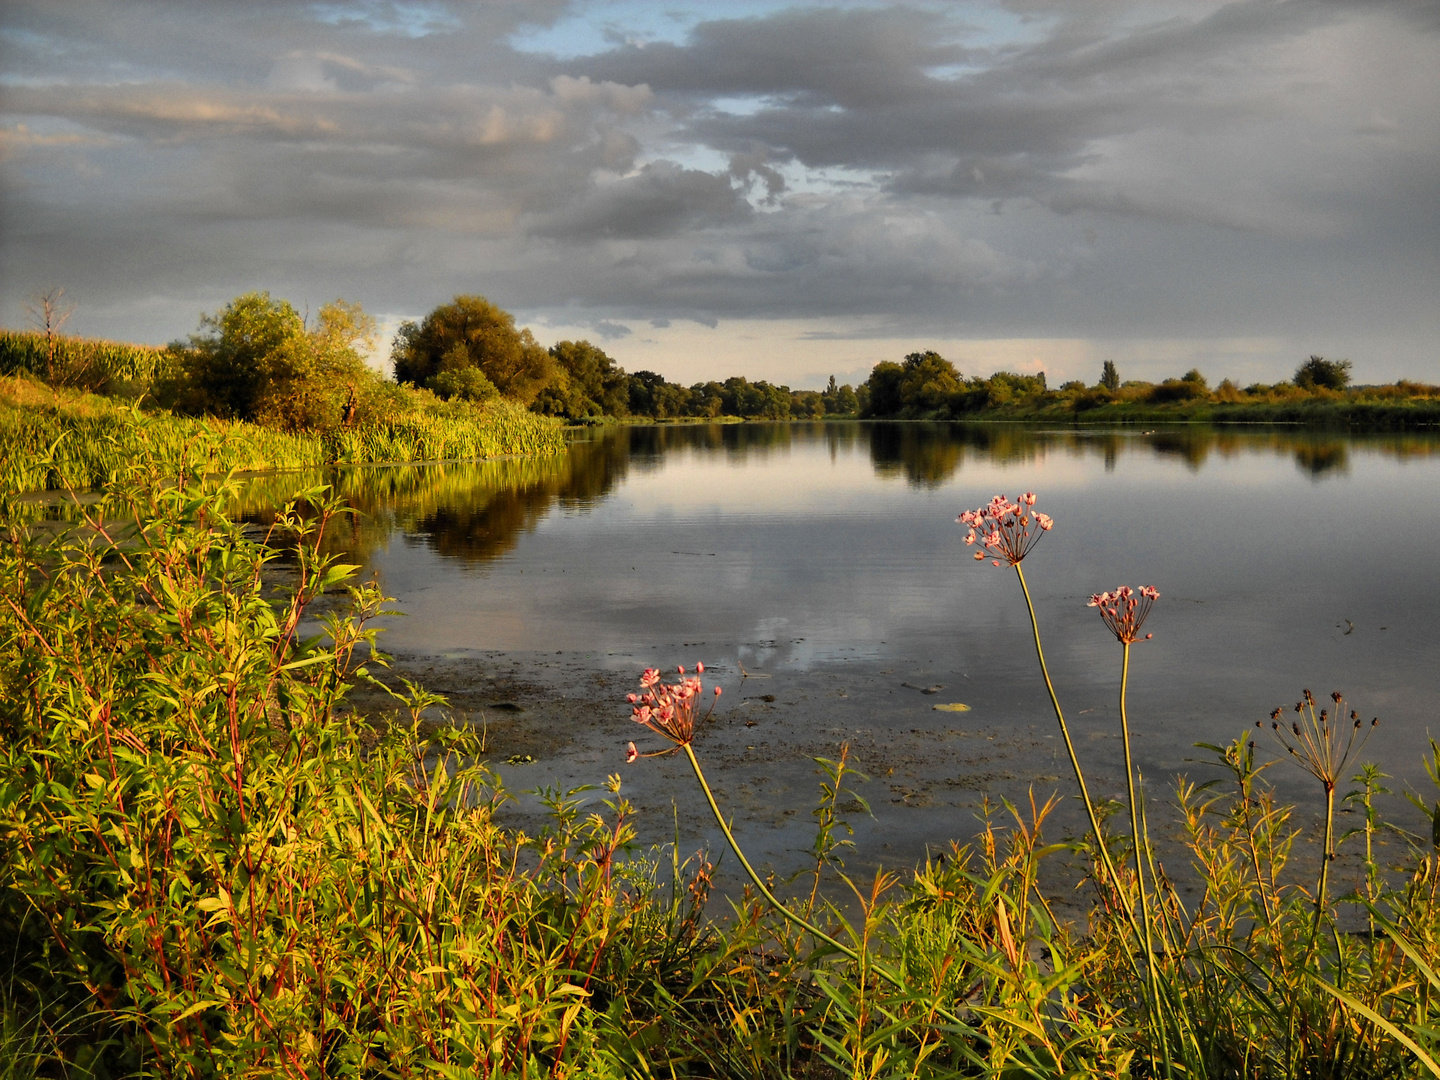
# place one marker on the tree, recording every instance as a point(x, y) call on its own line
point(883, 386)
point(1318, 373)
point(840, 399)
point(471, 332)
point(224, 368)
point(928, 382)
point(1110, 376)
point(255, 360)
point(49, 312)
point(598, 385)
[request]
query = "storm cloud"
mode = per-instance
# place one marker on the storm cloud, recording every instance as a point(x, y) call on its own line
point(1116, 172)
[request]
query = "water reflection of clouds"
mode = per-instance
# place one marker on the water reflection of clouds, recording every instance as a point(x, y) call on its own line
point(796, 550)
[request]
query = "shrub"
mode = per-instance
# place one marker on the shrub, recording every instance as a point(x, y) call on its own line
point(1317, 373)
point(1178, 390)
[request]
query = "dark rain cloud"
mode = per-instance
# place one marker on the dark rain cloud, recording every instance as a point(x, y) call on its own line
point(1144, 169)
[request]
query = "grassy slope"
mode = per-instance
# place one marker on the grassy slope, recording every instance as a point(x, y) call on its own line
point(56, 439)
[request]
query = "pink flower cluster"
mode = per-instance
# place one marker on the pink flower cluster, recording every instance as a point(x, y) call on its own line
point(667, 709)
point(1123, 613)
point(1005, 530)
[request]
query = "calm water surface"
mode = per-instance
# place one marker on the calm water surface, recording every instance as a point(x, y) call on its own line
point(1284, 561)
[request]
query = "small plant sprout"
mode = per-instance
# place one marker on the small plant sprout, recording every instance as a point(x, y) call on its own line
point(1322, 742)
point(1006, 531)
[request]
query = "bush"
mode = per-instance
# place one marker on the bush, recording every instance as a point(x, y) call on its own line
point(472, 333)
point(1178, 390)
point(1317, 373)
point(256, 361)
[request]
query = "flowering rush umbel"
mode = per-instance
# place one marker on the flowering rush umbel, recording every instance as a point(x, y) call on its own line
point(668, 709)
point(1322, 742)
point(1123, 613)
point(1005, 530)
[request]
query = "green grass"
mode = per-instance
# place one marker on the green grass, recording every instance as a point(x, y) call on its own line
point(58, 440)
point(1387, 408)
point(81, 361)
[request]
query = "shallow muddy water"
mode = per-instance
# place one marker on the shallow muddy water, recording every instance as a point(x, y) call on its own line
point(825, 560)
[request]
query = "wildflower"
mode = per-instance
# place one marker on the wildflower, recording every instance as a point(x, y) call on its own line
point(1321, 743)
point(1123, 613)
point(668, 709)
point(1006, 531)
point(1323, 748)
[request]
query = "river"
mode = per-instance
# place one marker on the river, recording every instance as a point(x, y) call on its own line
point(825, 560)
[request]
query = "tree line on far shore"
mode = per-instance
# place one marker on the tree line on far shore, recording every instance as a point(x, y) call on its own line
point(260, 360)
point(927, 386)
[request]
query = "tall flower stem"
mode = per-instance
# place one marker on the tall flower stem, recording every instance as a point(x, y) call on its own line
point(865, 964)
point(1325, 857)
point(755, 878)
point(1113, 877)
point(1135, 812)
point(863, 961)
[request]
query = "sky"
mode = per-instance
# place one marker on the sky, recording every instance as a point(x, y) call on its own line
point(774, 189)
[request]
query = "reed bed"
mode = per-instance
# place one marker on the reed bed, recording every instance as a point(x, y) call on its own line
point(89, 362)
point(498, 428)
point(85, 442)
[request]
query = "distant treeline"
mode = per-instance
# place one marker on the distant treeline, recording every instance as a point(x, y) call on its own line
point(927, 386)
point(469, 348)
point(259, 361)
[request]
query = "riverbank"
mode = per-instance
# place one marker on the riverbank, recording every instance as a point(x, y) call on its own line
point(1352, 411)
point(59, 439)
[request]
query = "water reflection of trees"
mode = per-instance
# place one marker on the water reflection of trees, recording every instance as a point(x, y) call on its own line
point(478, 510)
point(471, 510)
point(924, 454)
point(928, 454)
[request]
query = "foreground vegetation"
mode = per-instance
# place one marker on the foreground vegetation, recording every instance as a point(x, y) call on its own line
point(213, 867)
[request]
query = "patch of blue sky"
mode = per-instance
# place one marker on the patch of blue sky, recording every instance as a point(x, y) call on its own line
point(690, 155)
point(748, 105)
point(596, 26)
point(833, 180)
point(411, 18)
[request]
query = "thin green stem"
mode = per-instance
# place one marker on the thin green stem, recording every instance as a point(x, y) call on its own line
point(1114, 878)
point(759, 884)
point(862, 960)
point(1150, 976)
point(1325, 857)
